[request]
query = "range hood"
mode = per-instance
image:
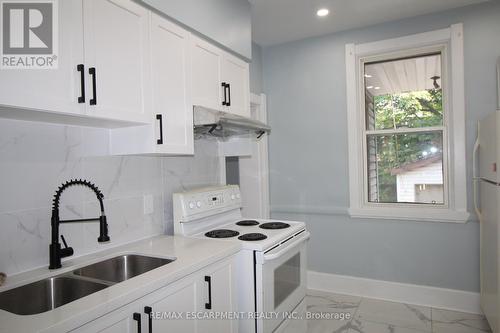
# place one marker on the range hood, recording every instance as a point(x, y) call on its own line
point(224, 125)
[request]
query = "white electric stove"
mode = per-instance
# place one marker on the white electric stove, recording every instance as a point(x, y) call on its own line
point(272, 265)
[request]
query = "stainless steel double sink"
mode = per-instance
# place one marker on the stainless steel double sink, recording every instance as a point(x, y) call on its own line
point(50, 293)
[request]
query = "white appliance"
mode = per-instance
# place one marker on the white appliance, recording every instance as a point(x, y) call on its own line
point(487, 190)
point(272, 265)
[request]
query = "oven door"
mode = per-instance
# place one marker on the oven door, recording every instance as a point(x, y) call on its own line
point(281, 281)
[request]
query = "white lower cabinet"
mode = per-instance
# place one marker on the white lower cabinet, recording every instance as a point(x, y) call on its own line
point(186, 306)
point(221, 282)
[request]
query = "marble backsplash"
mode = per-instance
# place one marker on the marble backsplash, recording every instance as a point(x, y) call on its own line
point(36, 158)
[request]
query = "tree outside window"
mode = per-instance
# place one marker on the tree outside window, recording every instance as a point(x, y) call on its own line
point(404, 130)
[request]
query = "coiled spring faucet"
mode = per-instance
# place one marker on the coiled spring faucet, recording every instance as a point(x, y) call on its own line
point(56, 253)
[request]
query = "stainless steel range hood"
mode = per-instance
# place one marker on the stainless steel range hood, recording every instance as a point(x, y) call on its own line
point(223, 125)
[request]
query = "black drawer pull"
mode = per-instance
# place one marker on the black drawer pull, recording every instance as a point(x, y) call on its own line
point(80, 68)
point(208, 305)
point(160, 140)
point(92, 72)
point(137, 317)
point(224, 86)
point(148, 310)
point(229, 95)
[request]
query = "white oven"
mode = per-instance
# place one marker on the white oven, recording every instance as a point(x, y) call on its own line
point(281, 280)
point(271, 266)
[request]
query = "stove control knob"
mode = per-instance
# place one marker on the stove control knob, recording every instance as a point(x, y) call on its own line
point(238, 195)
point(191, 205)
point(198, 204)
point(233, 196)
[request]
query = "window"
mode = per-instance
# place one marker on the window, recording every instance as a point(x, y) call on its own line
point(406, 127)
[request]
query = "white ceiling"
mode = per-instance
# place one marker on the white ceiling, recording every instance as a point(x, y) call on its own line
point(280, 21)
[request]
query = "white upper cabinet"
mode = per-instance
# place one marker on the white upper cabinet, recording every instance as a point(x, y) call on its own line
point(117, 54)
point(103, 72)
point(122, 67)
point(235, 74)
point(220, 80)
point(171, 119)
point(55, 90)
point(206, 68)
point(172, 105)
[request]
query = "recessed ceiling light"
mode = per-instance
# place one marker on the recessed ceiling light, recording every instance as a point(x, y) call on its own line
point(369, 87)
point(322, 12)
point(377, 88)
point(368, 75)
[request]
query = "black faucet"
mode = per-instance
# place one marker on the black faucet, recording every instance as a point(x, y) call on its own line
point(55, 250)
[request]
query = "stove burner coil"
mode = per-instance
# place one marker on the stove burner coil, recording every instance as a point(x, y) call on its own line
point(274, 225)
point(255, 236)
point(247, 223)
point(222, 233)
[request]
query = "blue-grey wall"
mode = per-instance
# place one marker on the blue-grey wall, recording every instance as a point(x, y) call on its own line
point(305, 86)
point(227, 22)
point(256, 69)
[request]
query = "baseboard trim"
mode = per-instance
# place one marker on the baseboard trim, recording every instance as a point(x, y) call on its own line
point(457, 300)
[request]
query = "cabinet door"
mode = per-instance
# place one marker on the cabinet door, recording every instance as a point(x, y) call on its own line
point(178, 307)
point(170, 306)
point(236, 73)
point(54, 90)
point(126, 325)
point(218, 294)
point(179, 301)
point(119, 321)
point(171, 75)
point(116, 40)
point(206, 74)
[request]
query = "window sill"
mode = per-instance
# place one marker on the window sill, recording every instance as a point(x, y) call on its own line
point(411, 214)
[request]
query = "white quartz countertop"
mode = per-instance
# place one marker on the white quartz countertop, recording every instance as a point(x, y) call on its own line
point(191, 255)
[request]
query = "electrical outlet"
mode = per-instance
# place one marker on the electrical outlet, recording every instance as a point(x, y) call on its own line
point(148, 204)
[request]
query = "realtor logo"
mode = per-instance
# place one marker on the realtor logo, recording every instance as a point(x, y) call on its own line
point(29, 34)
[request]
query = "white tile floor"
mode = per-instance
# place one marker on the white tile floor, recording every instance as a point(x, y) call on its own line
point(376, 316)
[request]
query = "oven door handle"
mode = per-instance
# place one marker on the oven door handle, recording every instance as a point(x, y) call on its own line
point(303, 237)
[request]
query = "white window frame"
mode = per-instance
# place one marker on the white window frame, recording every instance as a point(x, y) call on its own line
point(449, 42)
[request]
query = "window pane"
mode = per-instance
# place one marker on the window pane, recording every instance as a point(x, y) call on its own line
point(404, 93)
point(406, 168)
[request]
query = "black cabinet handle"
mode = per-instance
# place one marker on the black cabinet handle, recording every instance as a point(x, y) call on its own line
point(92, 72)
point(80, 68)
point(160, 140)
point(208, 305)
point(137, 317)
point(224, 86)
point(148, 310)
point(229, 94)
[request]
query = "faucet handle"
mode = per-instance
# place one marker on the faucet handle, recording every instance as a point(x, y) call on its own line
point(64, 241)
point(67, 251)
